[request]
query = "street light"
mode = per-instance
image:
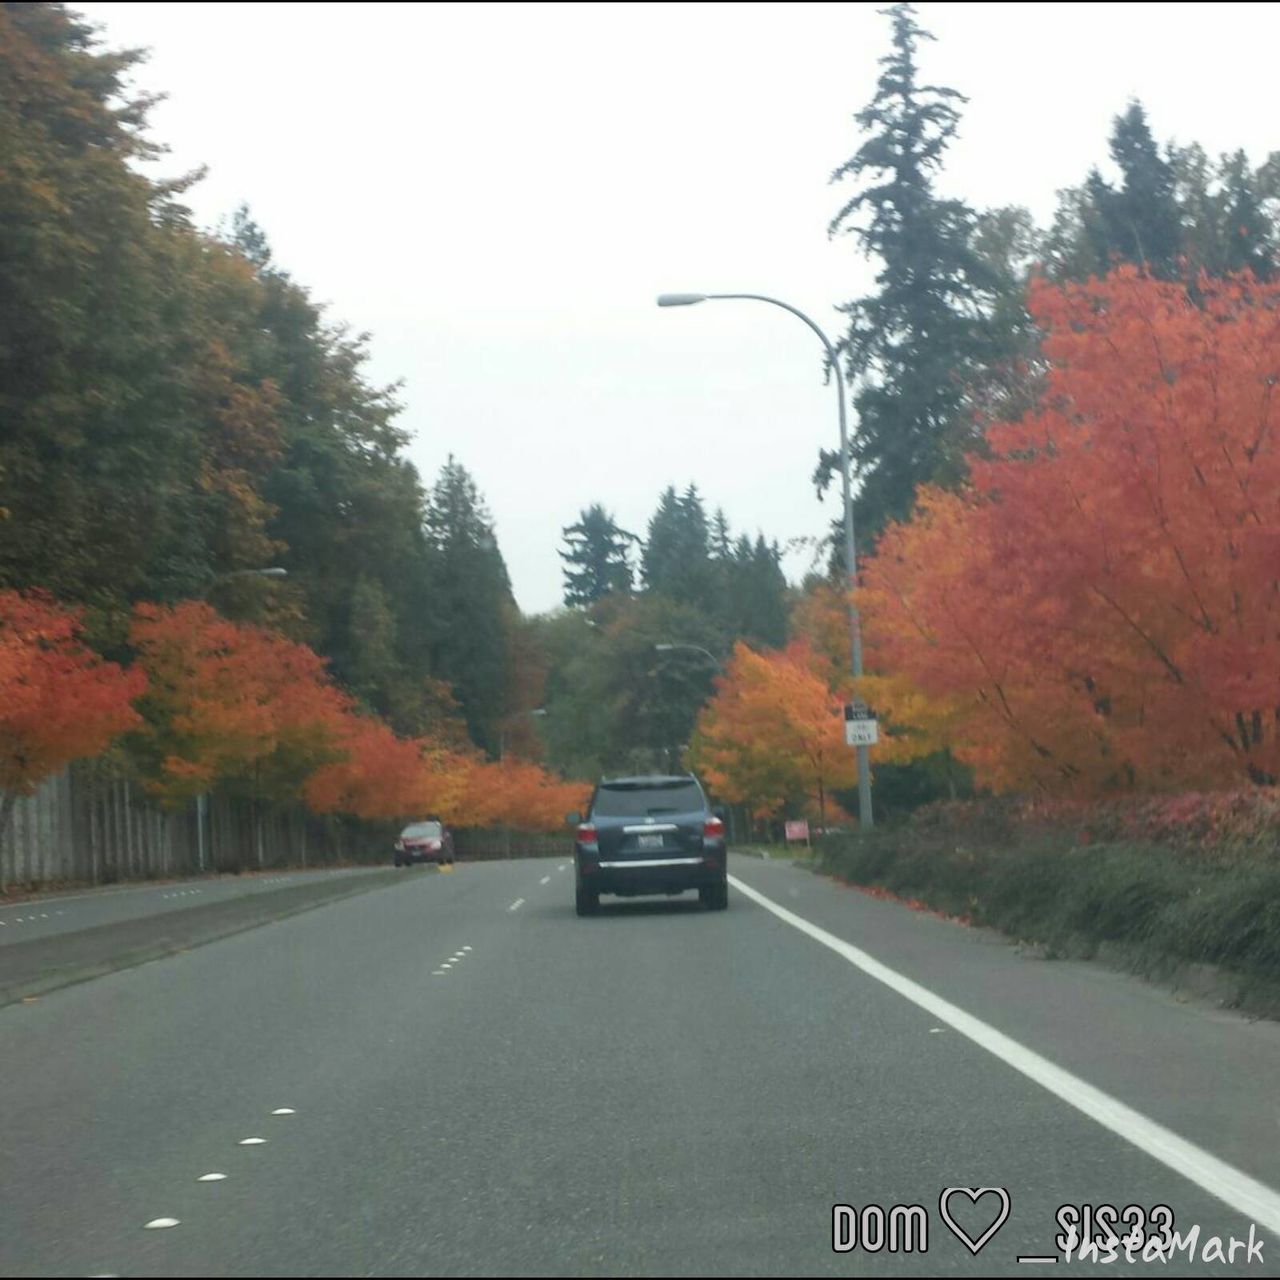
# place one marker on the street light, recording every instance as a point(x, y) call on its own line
point(273, 572)
point(696, 648)
point(850, 550)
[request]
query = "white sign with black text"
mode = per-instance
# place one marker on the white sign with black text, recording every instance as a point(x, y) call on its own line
point(860, 729)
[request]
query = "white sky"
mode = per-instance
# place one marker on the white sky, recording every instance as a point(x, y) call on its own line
point(498, 192)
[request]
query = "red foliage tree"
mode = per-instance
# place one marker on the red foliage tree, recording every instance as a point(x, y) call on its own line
point(1104, 601)
point(59, 701)
point(232, 703)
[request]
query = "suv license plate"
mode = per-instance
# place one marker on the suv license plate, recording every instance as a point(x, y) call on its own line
point(650, 842)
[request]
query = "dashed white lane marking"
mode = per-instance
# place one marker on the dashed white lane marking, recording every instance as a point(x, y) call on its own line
point(1233, 1187)
point(466, 948)
point(284, 1111)
point(252, 1142)
point(212, 1177)
point(446, 965)
point(516, 905)
point(545, 880)
point(562, 866)
point(437, 973)
point(158, 1224)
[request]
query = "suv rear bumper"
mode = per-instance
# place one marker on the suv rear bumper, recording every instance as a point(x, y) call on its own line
point(629, 877)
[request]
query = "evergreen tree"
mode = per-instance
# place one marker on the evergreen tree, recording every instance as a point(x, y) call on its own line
point(597, 562)
point(721, 544)
point(764, 619)
point(1139, 221)
point(1177, 213)
point(676, 558)
point(914, 346)
point(1249, 235)
point(471, 601)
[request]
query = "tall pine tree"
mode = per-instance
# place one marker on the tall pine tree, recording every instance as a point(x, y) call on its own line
point(472, 605)
point(913, 346)
point(1176, 213)
point(597, 561)
point(676, 560)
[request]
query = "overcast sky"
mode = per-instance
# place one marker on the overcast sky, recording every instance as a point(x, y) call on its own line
point(498, 192)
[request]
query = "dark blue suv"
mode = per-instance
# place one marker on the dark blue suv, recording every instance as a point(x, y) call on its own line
point(650, 835)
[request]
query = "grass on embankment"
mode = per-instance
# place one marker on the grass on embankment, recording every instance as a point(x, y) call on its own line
point(1155, 908)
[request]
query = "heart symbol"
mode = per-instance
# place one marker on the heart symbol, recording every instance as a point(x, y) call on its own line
point(975, 1194)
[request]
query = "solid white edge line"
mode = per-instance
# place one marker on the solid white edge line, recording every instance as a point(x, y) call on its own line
point(1234, 1188)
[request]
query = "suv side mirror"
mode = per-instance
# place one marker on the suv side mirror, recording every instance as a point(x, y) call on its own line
point(572, 819)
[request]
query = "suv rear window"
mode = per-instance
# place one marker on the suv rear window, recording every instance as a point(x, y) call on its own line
point(638, 800)
point(422, 830)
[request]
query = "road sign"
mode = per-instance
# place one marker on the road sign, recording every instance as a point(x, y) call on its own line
point(860, 732)
point(798, 830)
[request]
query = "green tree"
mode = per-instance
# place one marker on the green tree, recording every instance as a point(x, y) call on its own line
point(676, 559)
point(761, 596)
point(1248, 233)
point(1139, 220)
point(1176, 212)
point(99, 454)
point(917, 343)
point(597, 559)
point(470, 597)
point(614, 703)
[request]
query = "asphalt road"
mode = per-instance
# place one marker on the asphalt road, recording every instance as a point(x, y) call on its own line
point(478, 1082)
point(49, 915)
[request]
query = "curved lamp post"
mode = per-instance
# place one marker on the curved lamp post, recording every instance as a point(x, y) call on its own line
point(850, 549)
point(695, 648)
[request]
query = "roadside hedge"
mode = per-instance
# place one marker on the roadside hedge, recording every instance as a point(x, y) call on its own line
point(1080, 883)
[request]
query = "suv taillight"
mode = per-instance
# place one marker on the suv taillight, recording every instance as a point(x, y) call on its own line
point(713, 829)
point(587, 833)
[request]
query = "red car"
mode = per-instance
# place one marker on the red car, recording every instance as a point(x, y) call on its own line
point(424, 842)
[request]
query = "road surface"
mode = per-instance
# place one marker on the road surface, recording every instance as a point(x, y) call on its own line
point(470, 1080)
point(48, 915)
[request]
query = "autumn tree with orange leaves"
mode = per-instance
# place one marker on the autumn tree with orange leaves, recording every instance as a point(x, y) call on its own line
point(1102, 601)
point(233, 704)
point(378, 775)
point(241, 707)
point(773, 735)
point(59, 701)
point(912, 724)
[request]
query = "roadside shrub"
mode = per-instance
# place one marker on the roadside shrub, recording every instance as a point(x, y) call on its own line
point(1187, 879)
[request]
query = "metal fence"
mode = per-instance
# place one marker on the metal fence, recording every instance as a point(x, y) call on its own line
point(89, 825)
point(476, 845)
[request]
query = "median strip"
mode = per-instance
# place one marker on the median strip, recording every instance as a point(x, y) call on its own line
point(42, 965)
